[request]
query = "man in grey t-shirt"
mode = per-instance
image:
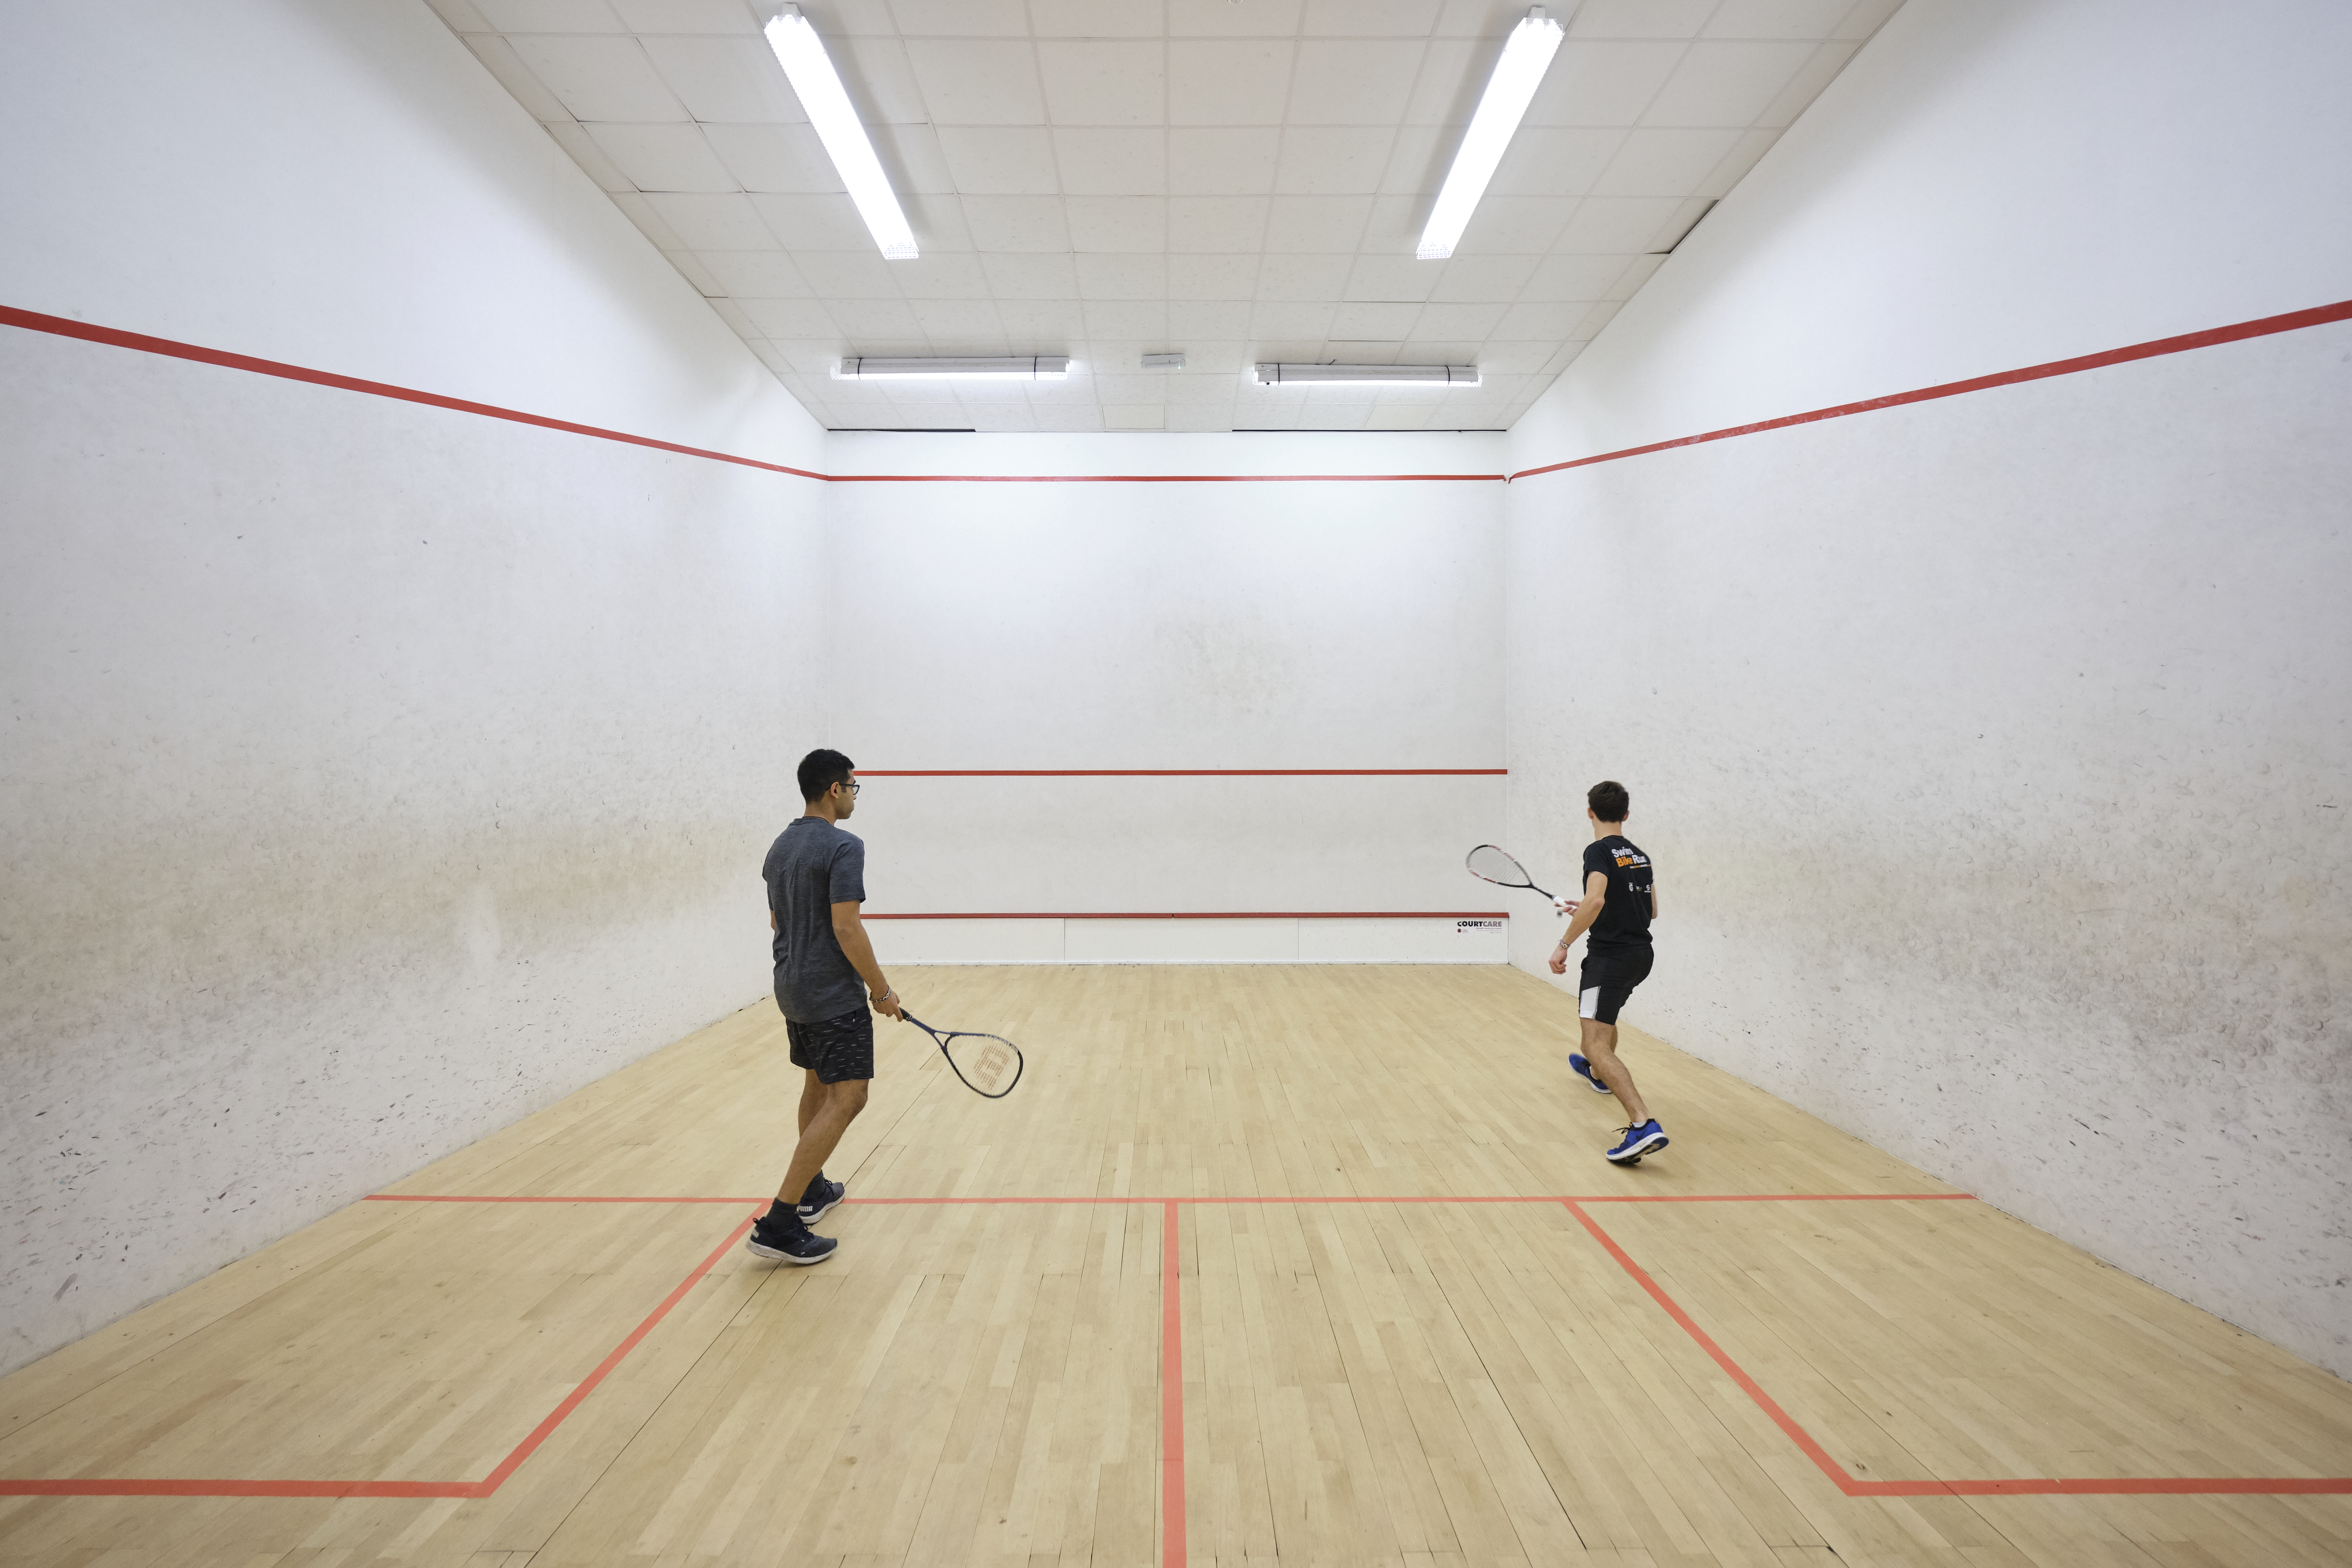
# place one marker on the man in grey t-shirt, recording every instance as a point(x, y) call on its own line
point(825, 977)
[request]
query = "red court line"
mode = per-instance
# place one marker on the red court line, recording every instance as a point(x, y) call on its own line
point(2170, 1486)
point(481, 1488)
point(1172, 1395)
point(2292, 321)
point(1324, 1198)
point(1174, 773)
point(1152, 478)
point(1203, 915)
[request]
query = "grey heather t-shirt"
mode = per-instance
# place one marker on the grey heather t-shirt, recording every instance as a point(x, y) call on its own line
point(812, 866)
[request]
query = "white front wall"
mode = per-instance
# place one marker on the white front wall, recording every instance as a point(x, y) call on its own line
point(375, 773)
point(1267, 624)
point(1992, 750)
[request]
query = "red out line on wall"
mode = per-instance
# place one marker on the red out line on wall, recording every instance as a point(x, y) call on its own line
point(1176, 772)
point(1205, 915)
point(2292, 320)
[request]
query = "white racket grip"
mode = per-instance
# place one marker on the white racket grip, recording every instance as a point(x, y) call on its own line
point(1566, 906)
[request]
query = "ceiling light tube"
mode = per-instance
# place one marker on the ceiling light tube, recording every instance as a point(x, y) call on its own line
point(1367, 374)
point(1014, 367)
point(801, 54)
point(1527, 55)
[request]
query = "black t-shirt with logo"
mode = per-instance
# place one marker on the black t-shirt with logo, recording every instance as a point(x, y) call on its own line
point(1625, 913)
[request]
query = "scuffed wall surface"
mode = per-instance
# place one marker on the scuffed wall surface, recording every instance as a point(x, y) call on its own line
point(1994, 755)
point(374, 776)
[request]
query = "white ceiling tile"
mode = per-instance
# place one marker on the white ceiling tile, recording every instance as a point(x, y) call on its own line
point(1370, 18)
point(1317, 161)
point(1484, 279)
point(1134, 416)
point(1775, 18)
point(1097, 19)
point(1806, 85)
point(1555, 161)
point(1665, 162)
point(463, 15)
point(1316, 222)
point(871, 325)
point(757, 274)
point(1353, 81)
point(599, 78)
point(1304, 321)
point(1122, 276)
point(1453, 74)
point(1141, 320)
point(773, 157)
point(1640, 18)
point(1418, 158)
point(735, 80)
point(942, 277)
point(1595, 318)
point(1016, 223)
point(662, 157)
point(911, 158)
point(971, 326)
point(1111, 163)
point(805, 221)
point(1216, 224)
point(836, 276)
point(1395, 225)
point(1469, 323)
point(970, 81)
point(1319, 278)
point(1623, 225)
point(500, 58)
point(1866, 18)
point(690, 268)
point(962, 19)
point(647, 17)
point(1385, 323)
point(1228, 82)
point(1225, 19)
point(1393, 416)
point(1201, 418)
point(711, 221)
point(550, 16)
point(1550, 322)
point(805, 320)
point(1747, 147)
point(1214, 278)
point(1587, 277)
point(1395, 278)
point(1636, 272)
point(1223, 162)
point(1118, 223)
point(1603, 84)
point(939, 223)
point(880, 80)
point(1105, 83)
point(649, 222)
point(1515, 226)
point(1725, 83)
point(1054, 278)
point(1000, 159)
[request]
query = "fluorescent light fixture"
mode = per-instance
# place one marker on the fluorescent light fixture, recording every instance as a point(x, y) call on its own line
point(1163, 361)
point(1367, 374)
point(1020, 368)
point(801, 54)
point(1527, 55)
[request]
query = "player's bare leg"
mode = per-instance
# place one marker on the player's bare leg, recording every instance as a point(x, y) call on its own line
point(836, 1106)
point(1600, 1054)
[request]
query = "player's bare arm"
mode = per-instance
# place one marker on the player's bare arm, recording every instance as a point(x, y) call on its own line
point(849, 929)
point(1586, 910)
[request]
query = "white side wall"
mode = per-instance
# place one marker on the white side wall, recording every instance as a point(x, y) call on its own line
point(374, 773)
point(1268, 624)
point(1993, 750)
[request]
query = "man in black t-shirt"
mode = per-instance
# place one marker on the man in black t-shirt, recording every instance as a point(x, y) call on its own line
point(1619, 900)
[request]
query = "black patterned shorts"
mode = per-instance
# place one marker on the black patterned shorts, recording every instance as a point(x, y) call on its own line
point(835, 1049)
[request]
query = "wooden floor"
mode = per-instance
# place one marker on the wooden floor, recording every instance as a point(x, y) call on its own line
point(1330, 1348)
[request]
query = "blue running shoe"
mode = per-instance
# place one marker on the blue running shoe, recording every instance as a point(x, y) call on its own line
point(798, 1244)
point(1584, 1070)
point(1647, 1138)
point(820, 1198)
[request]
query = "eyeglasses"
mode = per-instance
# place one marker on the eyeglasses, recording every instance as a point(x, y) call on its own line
point(855, 786)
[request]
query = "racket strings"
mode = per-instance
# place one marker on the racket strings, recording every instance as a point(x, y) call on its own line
point(1496, 865)
point(989, 1063)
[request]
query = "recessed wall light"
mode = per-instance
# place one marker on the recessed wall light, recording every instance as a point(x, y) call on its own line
point(1020, 368)
point(801, 54)
point(1367, 374)
point(1527, 55)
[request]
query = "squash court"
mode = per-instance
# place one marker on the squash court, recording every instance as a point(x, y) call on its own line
point(1240, 1273)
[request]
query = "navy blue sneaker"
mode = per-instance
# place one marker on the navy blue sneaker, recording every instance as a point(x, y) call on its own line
point(1584, 1070)
point(798, 1244)
point(1647, 1138)
point(820, 1199)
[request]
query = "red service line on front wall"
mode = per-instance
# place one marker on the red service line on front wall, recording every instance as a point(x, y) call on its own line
point(1176, 772)
point(1209, 915)
point(1171, 1426)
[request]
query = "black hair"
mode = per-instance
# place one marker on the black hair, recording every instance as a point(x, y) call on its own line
point(1608, 800)
point(821, 770)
